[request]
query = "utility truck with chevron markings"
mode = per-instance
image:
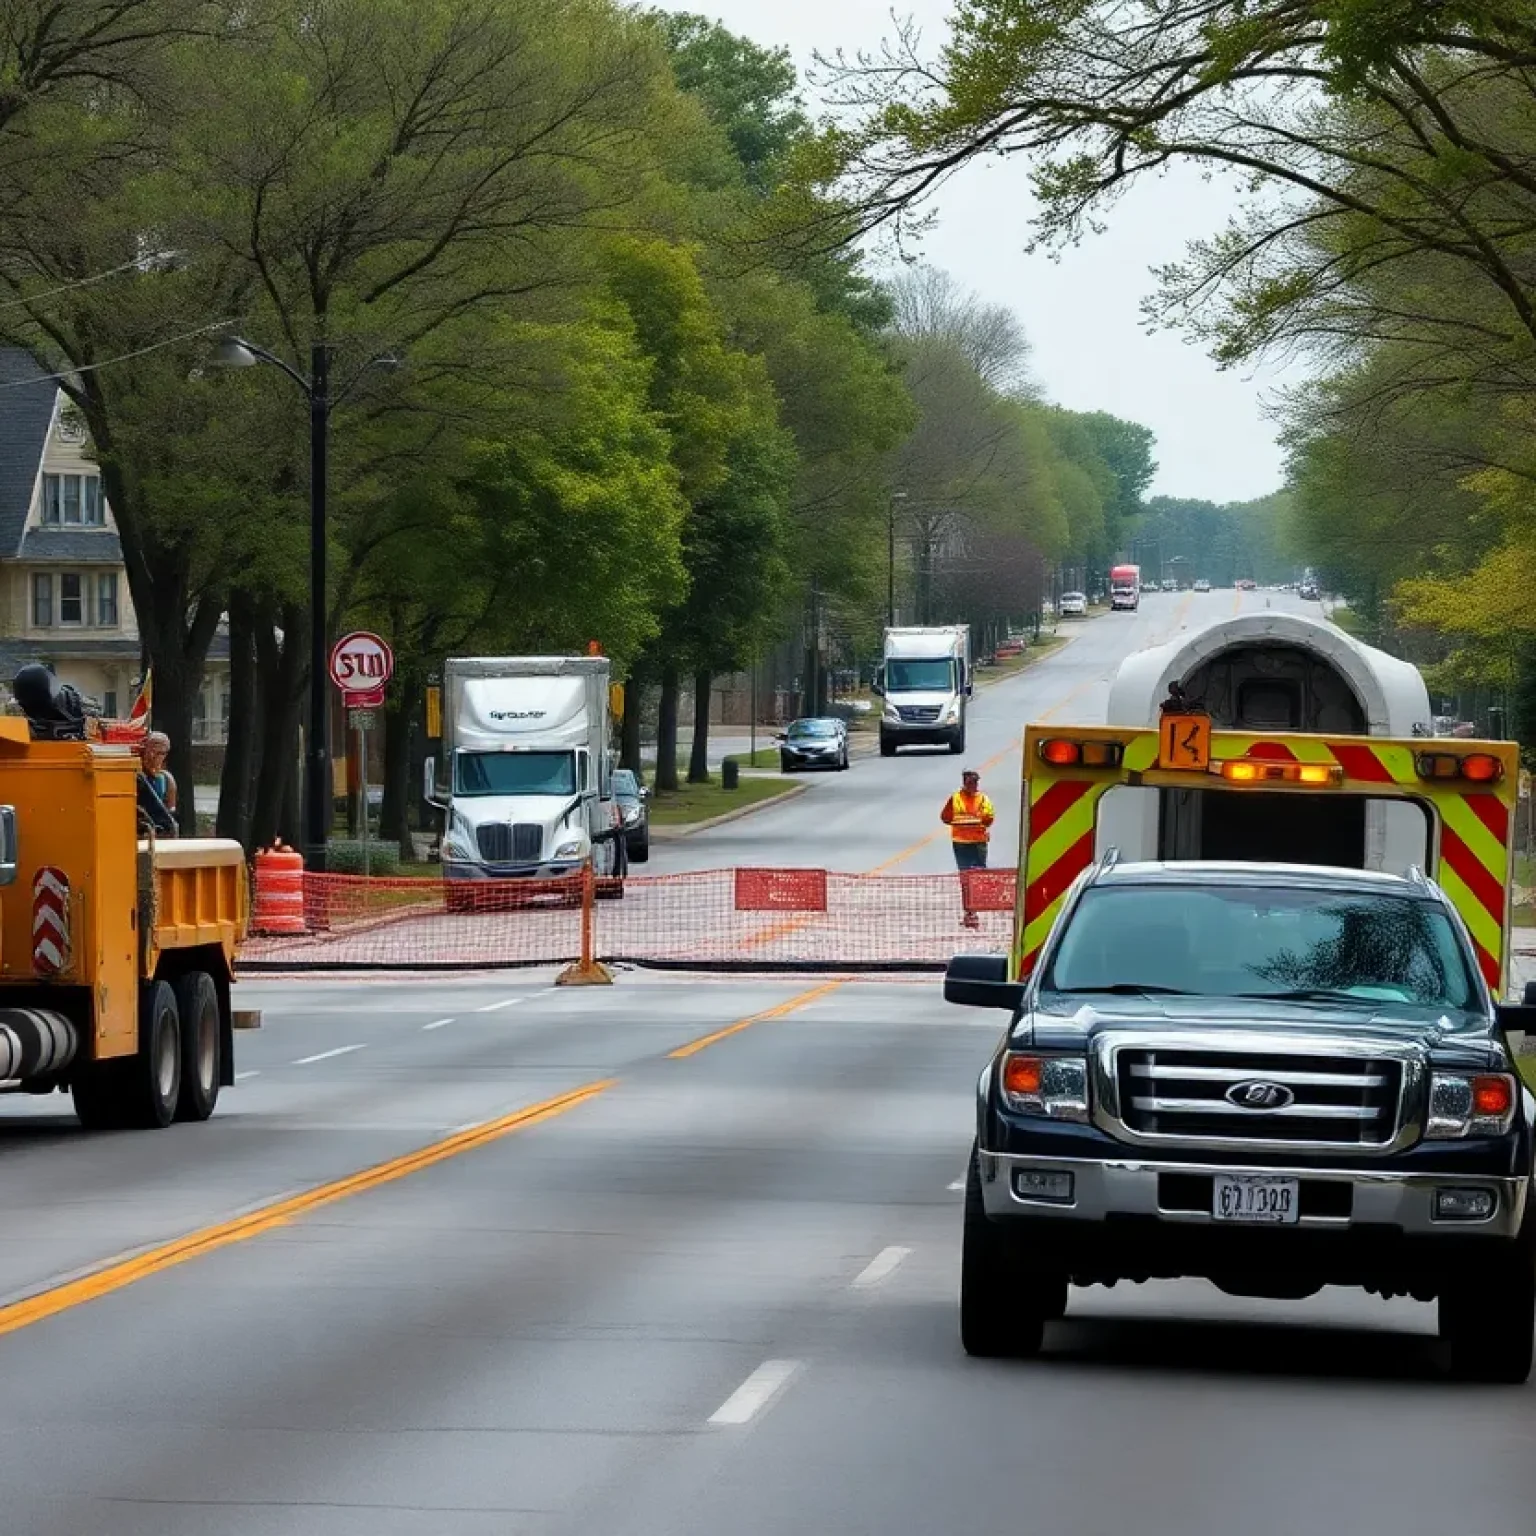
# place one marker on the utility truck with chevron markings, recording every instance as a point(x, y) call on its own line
point(117, 945)
point(1260, 942)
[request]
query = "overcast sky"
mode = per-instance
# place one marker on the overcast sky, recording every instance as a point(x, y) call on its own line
point(1082, 311)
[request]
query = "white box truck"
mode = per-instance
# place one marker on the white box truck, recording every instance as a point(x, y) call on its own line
point(526, 778)
point(925, 679)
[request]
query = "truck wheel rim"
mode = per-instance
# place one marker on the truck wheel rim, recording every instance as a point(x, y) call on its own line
point(165, 1063)
point(207, 1049)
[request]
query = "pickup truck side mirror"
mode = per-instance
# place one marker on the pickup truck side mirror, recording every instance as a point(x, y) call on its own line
point(1517, 1021)
point(981, 981)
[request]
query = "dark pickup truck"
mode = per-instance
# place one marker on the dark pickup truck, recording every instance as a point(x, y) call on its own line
point(1274, 1077)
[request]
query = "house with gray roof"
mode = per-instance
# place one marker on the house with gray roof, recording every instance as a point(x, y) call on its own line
point(63, 591)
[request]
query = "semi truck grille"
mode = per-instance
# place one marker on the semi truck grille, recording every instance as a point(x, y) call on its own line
point(1202, 1095)
point(503, 842)
point(919, 714)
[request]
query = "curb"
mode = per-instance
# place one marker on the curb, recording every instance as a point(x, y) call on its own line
point(672, 834)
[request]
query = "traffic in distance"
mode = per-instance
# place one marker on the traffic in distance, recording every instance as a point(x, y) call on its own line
point(1257, 1048)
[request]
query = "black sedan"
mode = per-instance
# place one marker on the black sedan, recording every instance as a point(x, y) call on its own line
point(814, 744)
point(633, 801)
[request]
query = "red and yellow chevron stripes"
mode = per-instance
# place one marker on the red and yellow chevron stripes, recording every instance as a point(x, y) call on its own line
point(1471, 858)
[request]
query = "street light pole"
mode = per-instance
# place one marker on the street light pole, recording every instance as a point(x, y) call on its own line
point(890, 558)
point(317, 788)
point(234, 352)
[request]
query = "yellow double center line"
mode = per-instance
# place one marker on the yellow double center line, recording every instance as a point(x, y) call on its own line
point(118, 1275)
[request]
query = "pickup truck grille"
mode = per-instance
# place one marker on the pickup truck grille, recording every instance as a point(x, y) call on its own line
point(1345, 1101)
point(504, 842)
point(919, 714)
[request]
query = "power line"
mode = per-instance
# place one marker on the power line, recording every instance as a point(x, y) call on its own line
point(80, 282)
point(123, 357)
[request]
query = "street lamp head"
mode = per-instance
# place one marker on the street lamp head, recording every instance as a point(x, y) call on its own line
point(231, 352)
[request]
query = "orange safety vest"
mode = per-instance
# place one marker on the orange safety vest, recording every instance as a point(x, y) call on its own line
point(967, 817)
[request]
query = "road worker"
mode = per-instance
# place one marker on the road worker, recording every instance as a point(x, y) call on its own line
point(969, 816)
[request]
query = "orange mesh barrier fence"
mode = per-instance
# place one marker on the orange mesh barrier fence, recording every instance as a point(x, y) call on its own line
point(727, 919)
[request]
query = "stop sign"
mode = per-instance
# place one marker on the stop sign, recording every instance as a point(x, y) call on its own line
point(361, 664)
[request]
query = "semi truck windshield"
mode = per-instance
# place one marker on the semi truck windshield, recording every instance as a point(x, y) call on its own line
point(907, 676)
point(514, 773)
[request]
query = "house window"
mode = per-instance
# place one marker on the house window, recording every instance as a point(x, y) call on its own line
point(74, 500)
point(71, 598)
point(106, 599)
point(42, 600)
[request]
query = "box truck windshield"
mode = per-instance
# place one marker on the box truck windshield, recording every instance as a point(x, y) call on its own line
point(514, 773)
point(907, 676)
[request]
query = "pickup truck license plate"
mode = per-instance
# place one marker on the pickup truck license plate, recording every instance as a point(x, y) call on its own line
point(1261, 1200)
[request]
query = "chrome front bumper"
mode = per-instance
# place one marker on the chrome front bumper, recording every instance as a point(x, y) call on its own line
point(1130, 1187)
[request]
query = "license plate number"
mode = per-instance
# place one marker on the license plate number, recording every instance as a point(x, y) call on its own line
point(1255, 1200)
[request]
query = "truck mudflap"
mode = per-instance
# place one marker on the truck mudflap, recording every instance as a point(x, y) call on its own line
point(1467, 787)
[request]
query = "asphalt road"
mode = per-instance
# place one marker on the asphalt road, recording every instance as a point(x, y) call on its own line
point(471, 1256)
point(883, 814)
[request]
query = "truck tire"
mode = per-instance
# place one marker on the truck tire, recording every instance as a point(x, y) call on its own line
point(887, 747)
point(957, 741)
point(94, 1089)
point(197, 1003)
point(152, 1078)
point(1003, 1307)
point(1490, 1323)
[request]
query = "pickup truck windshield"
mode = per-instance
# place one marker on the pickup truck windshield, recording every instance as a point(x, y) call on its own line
point(908, 676)
point(514, 773)
point(1253, 942)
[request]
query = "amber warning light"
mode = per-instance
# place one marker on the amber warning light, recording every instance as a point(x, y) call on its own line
point(1060, 752)
point(1478, 767)
point(1249, 770)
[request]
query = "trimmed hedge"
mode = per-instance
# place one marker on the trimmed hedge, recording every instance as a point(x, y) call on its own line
point(344, 856)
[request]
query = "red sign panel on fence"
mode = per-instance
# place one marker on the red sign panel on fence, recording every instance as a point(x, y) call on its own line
point(781, 890)
point(988, 890)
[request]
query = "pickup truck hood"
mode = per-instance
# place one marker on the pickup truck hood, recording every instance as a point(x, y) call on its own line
point(1062, 1022)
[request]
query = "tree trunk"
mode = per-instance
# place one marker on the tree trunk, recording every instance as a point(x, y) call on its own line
point(283, 670)
point(629, 729)
point(242, 752)
point(666, 731)
point(698, 759)
point(399, 733)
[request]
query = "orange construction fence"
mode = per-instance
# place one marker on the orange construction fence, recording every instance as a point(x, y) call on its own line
point(749, 919)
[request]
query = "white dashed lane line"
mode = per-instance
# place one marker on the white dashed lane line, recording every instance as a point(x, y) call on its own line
point(880, 1268)
point(437, 1024)
point(340, 1050)
point(755, 1393)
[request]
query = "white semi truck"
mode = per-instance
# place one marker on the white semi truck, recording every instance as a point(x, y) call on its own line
point(926, 682)
point(526, 777)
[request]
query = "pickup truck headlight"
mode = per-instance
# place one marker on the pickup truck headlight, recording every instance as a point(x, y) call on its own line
point(1053, 1086)
point(1470, 1104)
point(570, 850)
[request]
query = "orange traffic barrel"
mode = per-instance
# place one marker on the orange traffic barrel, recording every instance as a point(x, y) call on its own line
point(279, 905)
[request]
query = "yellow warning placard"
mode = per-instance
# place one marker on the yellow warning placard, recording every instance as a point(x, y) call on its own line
point(1185, 743)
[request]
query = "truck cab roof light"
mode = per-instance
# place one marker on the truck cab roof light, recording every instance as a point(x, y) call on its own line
point(1482, 768)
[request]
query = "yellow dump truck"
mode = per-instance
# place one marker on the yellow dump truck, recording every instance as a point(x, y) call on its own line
point(116, 951)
